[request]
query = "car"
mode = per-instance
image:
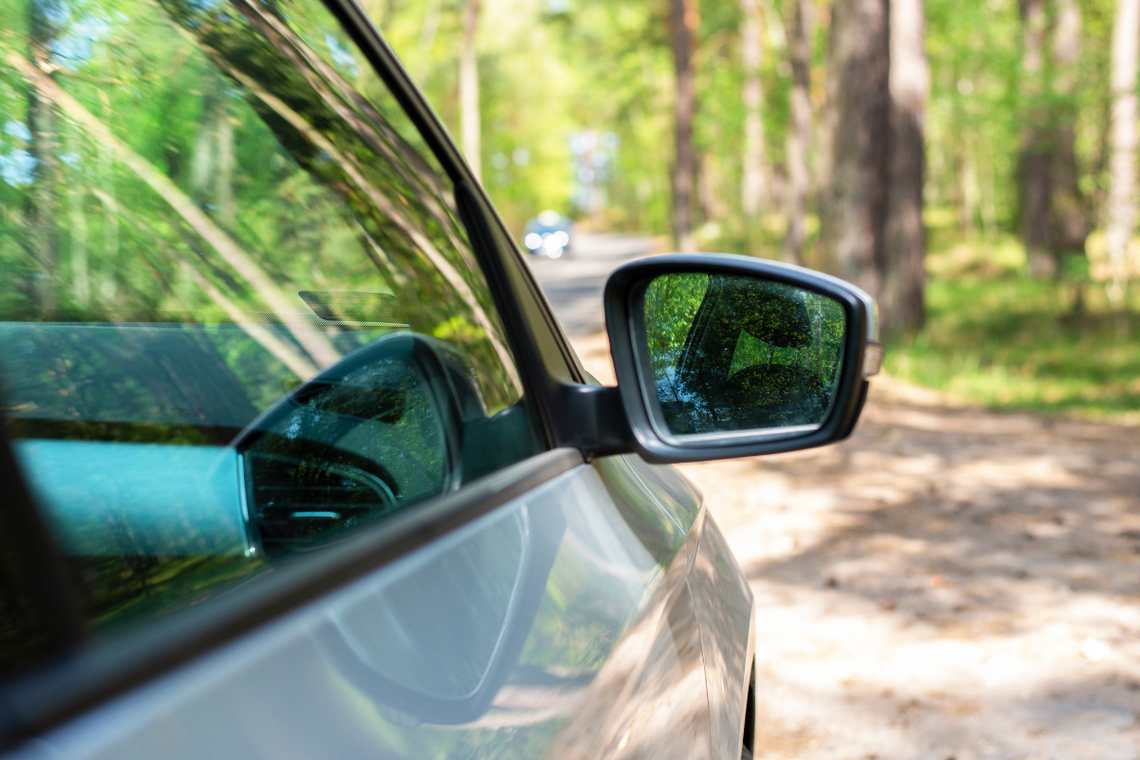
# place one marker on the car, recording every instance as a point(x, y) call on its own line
point(296, 459)
point(548, 234)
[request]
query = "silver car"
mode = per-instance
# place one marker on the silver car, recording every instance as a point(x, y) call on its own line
point(295, 459)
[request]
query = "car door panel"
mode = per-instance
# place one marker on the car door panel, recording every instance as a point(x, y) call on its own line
point(649, 698)
point(609, 624)
point(672, 491)
point(723, 603)
point(721, 599)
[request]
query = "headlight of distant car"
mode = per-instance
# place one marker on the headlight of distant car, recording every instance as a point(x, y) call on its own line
point(533, 241)
point(561, 238)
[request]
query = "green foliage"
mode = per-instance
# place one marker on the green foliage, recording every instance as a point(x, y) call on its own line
point(526, 93)
point(606, 65)
point(1011, 342)
point(214, 106)
point(734, 352)
point(671, 305)
point(214, 178)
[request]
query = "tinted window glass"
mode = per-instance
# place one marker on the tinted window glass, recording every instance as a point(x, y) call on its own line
point(238, 315)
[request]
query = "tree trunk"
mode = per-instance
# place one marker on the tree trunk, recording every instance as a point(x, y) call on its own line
point(227, 248)
point(1036, 156)
point(1121, 205)
point(825, 130)
point(42, 210)
point(428, 31)
point(224, 176)
point(109, 268)
point(799, 136)
point(855, 209)
point(966, 184)
point(77, 229)
point(469, 90)
point(754, 190)
point(108, 275)
point(709, 179)
point(212, 166)
point(1067, 204)
point(904, 278)
point(684, 18)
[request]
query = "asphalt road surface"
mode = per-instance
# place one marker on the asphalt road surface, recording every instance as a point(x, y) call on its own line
point(574, 283)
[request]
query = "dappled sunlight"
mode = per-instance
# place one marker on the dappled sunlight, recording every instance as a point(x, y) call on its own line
point(949, 582)
point(943, 718)
point(1053, 346)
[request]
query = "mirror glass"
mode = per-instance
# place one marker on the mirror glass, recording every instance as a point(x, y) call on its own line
point(739, 353)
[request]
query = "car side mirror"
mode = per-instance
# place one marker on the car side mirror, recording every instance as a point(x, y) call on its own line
point(721, 356)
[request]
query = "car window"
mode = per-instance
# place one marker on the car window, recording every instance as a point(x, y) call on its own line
point(238, 316)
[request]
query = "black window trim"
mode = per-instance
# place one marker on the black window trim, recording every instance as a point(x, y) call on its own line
point(387, 65)
point(573, 411)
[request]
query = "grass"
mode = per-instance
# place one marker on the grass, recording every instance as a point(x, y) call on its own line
point(997, 337)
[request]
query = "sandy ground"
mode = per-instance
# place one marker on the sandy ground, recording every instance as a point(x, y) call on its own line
point(950, 583)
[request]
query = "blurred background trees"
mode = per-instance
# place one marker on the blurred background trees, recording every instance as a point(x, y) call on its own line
point(969, 162)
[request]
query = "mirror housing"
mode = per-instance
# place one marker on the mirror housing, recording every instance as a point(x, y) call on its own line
point(625, 323)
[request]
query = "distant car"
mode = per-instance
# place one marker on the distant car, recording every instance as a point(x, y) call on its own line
point(548, 234)
point(295, 460)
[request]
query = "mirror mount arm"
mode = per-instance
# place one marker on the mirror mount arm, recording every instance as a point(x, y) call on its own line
point(849, 424)
point(592, 418)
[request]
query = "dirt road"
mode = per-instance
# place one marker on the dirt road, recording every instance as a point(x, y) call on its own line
point(573, 284)
point(949, 583)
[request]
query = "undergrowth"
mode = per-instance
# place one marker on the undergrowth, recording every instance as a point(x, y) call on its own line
point(998, 337)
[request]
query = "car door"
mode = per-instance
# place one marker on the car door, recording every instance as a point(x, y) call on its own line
point(288, 469)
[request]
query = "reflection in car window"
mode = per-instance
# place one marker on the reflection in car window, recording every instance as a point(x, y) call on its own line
point(238, 315)
point(31, 623)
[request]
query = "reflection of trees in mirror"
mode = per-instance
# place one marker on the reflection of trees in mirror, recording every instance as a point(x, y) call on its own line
point(738, 353)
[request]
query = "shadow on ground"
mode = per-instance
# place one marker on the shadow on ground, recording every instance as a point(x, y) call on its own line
point(949, 583)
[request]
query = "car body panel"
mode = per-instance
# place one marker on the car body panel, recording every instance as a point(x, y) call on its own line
point(597, 614)
point(723, 603)
point(601, 651)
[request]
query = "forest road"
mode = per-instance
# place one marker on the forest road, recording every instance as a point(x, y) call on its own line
point(948, 584)
point(574, 283)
